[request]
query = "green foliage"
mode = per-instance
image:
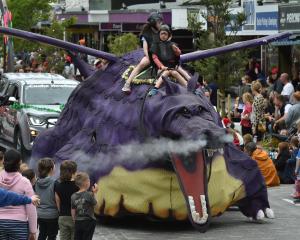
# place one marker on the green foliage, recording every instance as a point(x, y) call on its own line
point(123, 43)
point(227, 68)
point(25, 15)
point(56, 30)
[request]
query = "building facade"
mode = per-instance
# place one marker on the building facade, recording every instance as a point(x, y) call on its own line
point(97, 19)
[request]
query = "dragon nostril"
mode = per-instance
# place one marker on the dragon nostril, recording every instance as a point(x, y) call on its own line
point(94, 137)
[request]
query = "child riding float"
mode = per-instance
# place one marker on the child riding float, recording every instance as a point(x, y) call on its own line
point(149, 35)
point(165, 55)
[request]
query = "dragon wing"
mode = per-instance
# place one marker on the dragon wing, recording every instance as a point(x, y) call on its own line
point(58, 43)
point(197, 55)
point(188, 57)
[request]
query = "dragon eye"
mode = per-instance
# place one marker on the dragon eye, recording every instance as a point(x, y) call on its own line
point(185, 110)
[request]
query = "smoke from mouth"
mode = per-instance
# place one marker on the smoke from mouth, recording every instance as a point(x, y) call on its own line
point(136, 153)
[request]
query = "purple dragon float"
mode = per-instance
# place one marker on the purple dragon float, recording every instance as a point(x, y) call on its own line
point(164, 156)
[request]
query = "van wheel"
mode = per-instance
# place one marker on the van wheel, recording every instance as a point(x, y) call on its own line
point(25, 154)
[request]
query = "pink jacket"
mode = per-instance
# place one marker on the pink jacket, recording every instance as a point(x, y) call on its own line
point(15, 182)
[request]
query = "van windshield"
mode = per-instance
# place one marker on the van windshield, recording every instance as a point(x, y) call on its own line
point(47, 94)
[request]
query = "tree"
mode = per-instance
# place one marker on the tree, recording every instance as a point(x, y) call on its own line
point(226, 68)
point(121, 44)
point(26, 14)
point(56, 30)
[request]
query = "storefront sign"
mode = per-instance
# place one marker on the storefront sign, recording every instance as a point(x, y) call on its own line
point(267, 21)
point(132, 27)
point(289, 17)
point(110, 27)
point(121, 27)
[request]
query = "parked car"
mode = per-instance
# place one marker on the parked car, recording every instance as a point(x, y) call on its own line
point(30, 103)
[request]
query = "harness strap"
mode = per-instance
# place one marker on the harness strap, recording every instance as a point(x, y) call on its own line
point(142, 128)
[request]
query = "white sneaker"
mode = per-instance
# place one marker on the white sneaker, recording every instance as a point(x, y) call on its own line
point(126, 88)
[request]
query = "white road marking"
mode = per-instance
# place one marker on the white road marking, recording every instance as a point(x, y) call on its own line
point(291, 201)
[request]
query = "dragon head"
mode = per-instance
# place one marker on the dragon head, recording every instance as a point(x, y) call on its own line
point(178, 113)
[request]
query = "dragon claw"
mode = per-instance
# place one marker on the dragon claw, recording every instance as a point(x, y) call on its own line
point(260, 215)
point(269, 213)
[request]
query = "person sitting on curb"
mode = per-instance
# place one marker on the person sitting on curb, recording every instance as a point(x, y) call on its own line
point(165, 55)
point(281, 162)
point(264, 163)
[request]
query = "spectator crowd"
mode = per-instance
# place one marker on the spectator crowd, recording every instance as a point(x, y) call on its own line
point(265, 124)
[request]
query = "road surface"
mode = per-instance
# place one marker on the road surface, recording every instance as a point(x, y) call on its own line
point(231, 225)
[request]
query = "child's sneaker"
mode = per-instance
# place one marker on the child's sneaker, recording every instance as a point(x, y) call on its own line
point(126, 88)
point(297, 201)
point(153, 92)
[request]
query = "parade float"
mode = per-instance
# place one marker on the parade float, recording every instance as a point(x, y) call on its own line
point(165, 156)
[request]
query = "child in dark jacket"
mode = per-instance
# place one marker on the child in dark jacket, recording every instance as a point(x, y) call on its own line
point(281, 160)
point(8, 198)
point(165, 55)
point(47, 210)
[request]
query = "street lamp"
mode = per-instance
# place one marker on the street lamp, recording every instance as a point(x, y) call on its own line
point(64, 33)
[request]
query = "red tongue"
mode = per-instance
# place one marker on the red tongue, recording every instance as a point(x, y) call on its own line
point(192, 179)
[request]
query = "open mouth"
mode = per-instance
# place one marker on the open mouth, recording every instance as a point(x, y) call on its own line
point(191, 174)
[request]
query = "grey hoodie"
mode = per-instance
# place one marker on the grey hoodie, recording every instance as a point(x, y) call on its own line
point(44, 187)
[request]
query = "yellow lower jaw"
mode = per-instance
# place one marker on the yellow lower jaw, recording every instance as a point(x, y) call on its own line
point(138, 190)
